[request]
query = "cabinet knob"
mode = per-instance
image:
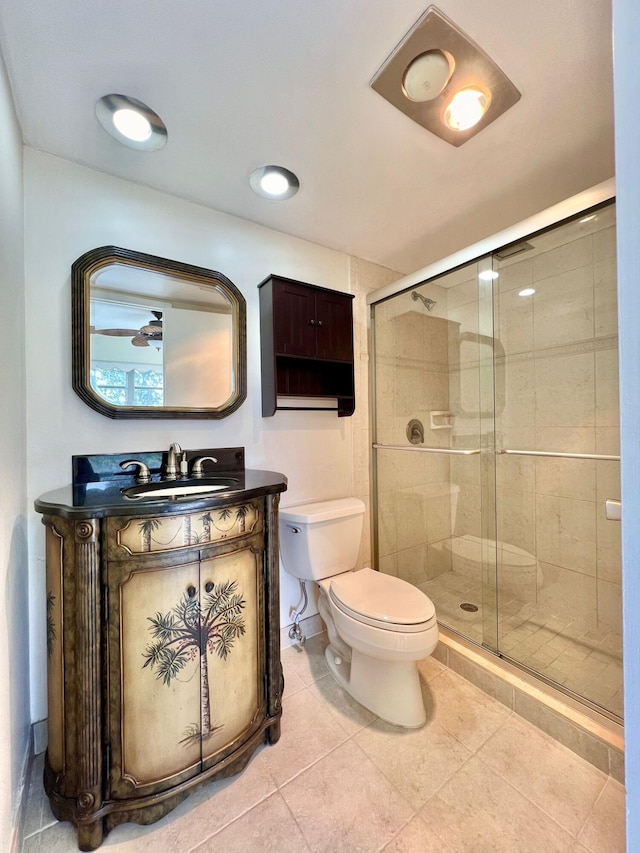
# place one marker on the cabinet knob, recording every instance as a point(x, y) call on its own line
point(319, 323)
point(208, 586)
point(191, 591)
point(312, 322)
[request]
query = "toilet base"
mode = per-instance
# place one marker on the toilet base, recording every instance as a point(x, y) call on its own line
point(389, 689)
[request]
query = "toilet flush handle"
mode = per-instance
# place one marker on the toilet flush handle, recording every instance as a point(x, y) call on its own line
point(294, 529)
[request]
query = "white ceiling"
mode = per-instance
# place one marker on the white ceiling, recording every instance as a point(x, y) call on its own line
point(243, 83)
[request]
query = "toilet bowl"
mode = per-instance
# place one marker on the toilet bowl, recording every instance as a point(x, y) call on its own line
point(379, 626)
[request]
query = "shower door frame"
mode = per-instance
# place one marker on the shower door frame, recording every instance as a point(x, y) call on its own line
point(482, 255)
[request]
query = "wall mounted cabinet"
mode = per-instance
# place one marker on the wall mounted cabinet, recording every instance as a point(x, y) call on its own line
point(306, 346)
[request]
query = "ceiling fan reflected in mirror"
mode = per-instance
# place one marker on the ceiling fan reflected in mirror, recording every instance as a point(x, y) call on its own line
point(148, 335)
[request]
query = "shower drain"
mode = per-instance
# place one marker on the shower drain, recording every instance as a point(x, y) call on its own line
point(468, 607)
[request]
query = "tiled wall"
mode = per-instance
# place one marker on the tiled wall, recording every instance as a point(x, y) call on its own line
point(414, 351)
point(556, 390)
point(559, 380)
point(364, 277)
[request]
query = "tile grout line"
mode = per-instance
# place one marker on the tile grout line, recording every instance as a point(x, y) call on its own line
point(530, 801)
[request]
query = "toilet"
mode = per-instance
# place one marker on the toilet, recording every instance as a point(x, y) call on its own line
point(379, 626)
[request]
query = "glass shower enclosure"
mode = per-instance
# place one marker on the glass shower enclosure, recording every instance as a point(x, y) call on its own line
point(496, 452)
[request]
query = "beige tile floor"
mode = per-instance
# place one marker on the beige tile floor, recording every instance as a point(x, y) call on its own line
point(580, 656)
point(476, 778)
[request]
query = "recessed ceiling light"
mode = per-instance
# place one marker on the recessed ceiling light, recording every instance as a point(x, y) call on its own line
point(131, 122)
point(466, 108)
point(274, 182)
point(589, 218)
point(488, 275)
point(427, 75)
point(527, 291)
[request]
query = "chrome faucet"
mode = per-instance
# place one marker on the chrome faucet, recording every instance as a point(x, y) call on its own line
point(172, 468)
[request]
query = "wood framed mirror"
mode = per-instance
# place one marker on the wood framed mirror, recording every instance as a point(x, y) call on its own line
point(156, 338)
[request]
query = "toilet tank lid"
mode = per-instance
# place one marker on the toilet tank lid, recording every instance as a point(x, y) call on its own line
point(312, 513)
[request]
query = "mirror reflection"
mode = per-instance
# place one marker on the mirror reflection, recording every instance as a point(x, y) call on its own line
point(159, 339)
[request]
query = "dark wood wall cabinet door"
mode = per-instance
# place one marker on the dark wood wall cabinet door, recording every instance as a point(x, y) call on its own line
point(306, 345)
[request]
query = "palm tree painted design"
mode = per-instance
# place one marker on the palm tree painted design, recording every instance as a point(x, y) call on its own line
point(146, 529)
point(223, 515)
point(194, 629)
point(51, 625)
point(206, 526)
point(241, 515)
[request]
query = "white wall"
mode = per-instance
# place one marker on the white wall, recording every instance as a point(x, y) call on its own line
point(14, 638)
point(626, 37)
point(69, 210)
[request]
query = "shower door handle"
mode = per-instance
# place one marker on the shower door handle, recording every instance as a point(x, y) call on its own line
point(613, 509)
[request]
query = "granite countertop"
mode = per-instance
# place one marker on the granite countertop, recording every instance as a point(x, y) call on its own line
point(105, 498)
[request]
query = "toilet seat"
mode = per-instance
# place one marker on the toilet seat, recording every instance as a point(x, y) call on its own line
point(380, 600)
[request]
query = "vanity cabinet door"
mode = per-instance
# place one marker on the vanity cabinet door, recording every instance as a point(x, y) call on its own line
point(186, 662)
point(233, 696)
point(154, 714)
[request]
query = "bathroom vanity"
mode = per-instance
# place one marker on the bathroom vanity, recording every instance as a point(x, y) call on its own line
point(162, 636)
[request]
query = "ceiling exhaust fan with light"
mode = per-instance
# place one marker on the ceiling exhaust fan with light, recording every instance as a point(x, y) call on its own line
point(149, 334)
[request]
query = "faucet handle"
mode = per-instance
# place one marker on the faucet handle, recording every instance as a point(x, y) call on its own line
point(143, 475)
point(197, 471)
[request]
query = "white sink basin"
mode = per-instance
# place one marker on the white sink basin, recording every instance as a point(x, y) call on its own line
point(154, 491)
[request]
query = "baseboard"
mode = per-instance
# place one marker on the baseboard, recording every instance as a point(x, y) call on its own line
point(21, 802)
point(309, 627)
point(40, 736)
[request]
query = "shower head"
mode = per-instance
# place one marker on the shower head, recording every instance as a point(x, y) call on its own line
point(429, 304)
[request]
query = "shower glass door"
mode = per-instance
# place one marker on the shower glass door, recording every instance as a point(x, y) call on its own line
point(496, 446)
point(434, 428)
point(557, 460)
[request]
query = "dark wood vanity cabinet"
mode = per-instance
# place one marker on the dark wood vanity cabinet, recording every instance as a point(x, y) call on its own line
point(164, 665)
point(306, 344)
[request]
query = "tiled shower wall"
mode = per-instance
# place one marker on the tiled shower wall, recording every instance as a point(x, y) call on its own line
point(364, 277)
point(556, 390)
point(412, 380)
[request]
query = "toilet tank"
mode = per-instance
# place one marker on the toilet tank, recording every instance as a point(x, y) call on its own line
point(318, 540)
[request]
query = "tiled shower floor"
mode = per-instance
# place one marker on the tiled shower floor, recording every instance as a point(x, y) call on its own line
point(342, 781)
point(581, 657)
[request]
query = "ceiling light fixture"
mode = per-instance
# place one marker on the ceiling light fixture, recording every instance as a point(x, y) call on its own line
point(466, 108)
point(588, 218)
point(437, 70)
point(427, 75)
point(131, 122)
point(274, 182)
point(527, 291)
point(488, 275)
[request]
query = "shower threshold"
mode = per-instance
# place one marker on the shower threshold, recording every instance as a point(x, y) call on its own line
point(596, 736)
